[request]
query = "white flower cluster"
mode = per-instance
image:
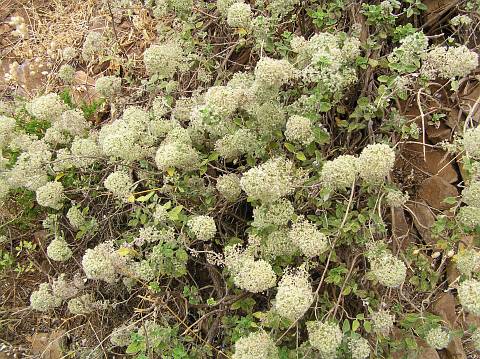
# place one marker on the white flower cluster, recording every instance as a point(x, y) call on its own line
point(93, 46)
point(299, 130)
point(108, 86)
point(229, 186)
point(84, 152)
point(249, 274)
point(48, 107)
point(277, 243)
point(340, 172)
point(469, 295)
point(43, 299)
point(438, 338)
point(237, 144)
point(75, 217)
point(178, 155)
point(467, 261)
point(327, 60)
point(129, 138)
point(122, 336)
point(325, 337)
point(396, 198)
point(306, 236)
point(203, 227)
point(270, 181)
point(73, 123)
point(461, 20)
point(270, 116)
point(66, 73)
point(273, 73)
point(375, 162)
point(383, 322)
point(475, 338)
point(294, 295)
point(388, 269)
point(64, 289)
point(161, 213)
point(50, 195)
point(120, 184)
point(69, 53)
point(239, 15)
point(451, 62)
point(7, 126)
point(85, 304)
point(163, 60)
point(469, 216)
point(471, 194)
point(102, 262)
point(277, 213)
point(411, 50)
point(224, 5)
point(222, 101)
point(471, 142)
point(257, 345)
point(58, 250)
point(359, 348)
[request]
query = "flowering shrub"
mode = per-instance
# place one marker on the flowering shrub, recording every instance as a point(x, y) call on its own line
point(249, 180)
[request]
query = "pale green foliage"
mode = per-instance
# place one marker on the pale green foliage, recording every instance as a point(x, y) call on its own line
point(58, 250)
point(438, 338)
point(257, 345)
point(325, 337)
point(410, 51)
point(294, 294)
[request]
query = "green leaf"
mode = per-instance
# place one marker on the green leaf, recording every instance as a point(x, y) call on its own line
point(145, 197)
point(367, 325)
point(325, 106)
point(289, 147)
point(383, 78)
point(174, 213)
point(301, 156)
point(355, 325)
point(346, 326)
